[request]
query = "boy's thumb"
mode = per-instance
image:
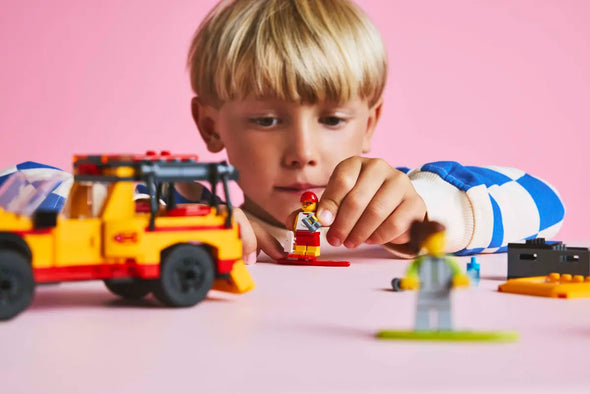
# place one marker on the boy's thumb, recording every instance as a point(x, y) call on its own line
point(325, 212)
point(329, 203)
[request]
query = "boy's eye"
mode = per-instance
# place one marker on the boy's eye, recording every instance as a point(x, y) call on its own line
point(332, 120)
point(265, 121)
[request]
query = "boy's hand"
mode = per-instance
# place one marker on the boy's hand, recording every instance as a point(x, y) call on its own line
point(256, 238)
point(367, 200)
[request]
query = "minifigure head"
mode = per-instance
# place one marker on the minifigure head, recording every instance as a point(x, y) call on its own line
point(289, 89)
point(308, 201)
point(435, 244)
point(429, 236)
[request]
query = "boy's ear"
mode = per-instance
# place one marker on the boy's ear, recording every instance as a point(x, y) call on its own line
point(374, 115)
point(205, 117)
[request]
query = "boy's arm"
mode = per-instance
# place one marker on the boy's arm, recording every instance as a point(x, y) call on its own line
point(485, 208)
point(34, 173)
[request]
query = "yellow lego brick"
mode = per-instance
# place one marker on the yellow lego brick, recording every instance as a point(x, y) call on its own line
point(77, 242)
point(553, 285)
point(239, 281)
point(42, 249)
point(13, 222)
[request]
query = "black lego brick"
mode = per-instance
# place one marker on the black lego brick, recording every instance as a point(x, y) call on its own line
point(536, 257)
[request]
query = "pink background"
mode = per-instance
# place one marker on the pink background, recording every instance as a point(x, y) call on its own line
point(480, 82)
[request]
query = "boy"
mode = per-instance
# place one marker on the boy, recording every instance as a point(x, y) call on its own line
point(292, 89)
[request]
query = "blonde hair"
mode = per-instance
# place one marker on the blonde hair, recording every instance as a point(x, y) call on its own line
point(296, 50)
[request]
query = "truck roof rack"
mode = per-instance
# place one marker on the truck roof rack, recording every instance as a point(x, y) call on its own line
point(155, 170)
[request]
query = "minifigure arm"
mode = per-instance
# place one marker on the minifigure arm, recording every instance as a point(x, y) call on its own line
point(459, 278)
point(292, 219)
point(411, 281)
point(413, 268)
point(485, 208)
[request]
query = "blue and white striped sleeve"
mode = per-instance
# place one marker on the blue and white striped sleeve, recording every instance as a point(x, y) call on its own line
point(485, 208)
point(34, 174)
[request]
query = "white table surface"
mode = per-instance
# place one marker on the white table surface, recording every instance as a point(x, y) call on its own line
point(302, 330)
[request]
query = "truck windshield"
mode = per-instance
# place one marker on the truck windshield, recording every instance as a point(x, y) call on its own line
point(23, 196)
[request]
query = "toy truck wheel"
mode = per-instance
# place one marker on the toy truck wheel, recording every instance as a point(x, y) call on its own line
point(129, 288)
point(16, 283)
point(186, 276)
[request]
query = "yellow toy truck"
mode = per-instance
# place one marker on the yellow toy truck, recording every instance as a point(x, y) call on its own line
point(177, 252)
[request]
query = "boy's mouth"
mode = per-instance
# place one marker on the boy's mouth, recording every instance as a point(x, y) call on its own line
point(298, 187)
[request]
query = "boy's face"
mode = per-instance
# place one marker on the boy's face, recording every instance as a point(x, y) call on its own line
point(282, 149)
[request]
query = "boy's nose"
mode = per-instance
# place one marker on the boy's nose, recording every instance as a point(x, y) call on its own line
point(300, 160)
point(300, 151)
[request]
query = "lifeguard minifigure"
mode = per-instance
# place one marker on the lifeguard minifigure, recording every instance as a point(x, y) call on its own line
point(306, 230)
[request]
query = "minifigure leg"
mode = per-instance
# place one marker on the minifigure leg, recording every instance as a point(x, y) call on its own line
point(313, 251)
point(299, 250)
point(444, 315)
point(422, 318)
point(308, 242)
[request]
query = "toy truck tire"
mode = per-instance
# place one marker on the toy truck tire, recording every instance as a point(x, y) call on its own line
point(129, 288)
point(17, 284)
point(186, 275)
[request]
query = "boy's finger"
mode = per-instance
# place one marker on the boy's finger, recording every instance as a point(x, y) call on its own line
point(376, 214)
point(290, 222)
point(402, 239)
point(267, 243)
point(395, 229)
point(249, 244)
point(354, 206)
point(341, 182)
point(256, 238)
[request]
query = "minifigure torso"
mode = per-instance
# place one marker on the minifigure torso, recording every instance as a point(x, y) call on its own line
point(435, 275)
point(299, 226)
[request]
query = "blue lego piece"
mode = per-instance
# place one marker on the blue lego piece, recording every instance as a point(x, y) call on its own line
point(473, 271)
